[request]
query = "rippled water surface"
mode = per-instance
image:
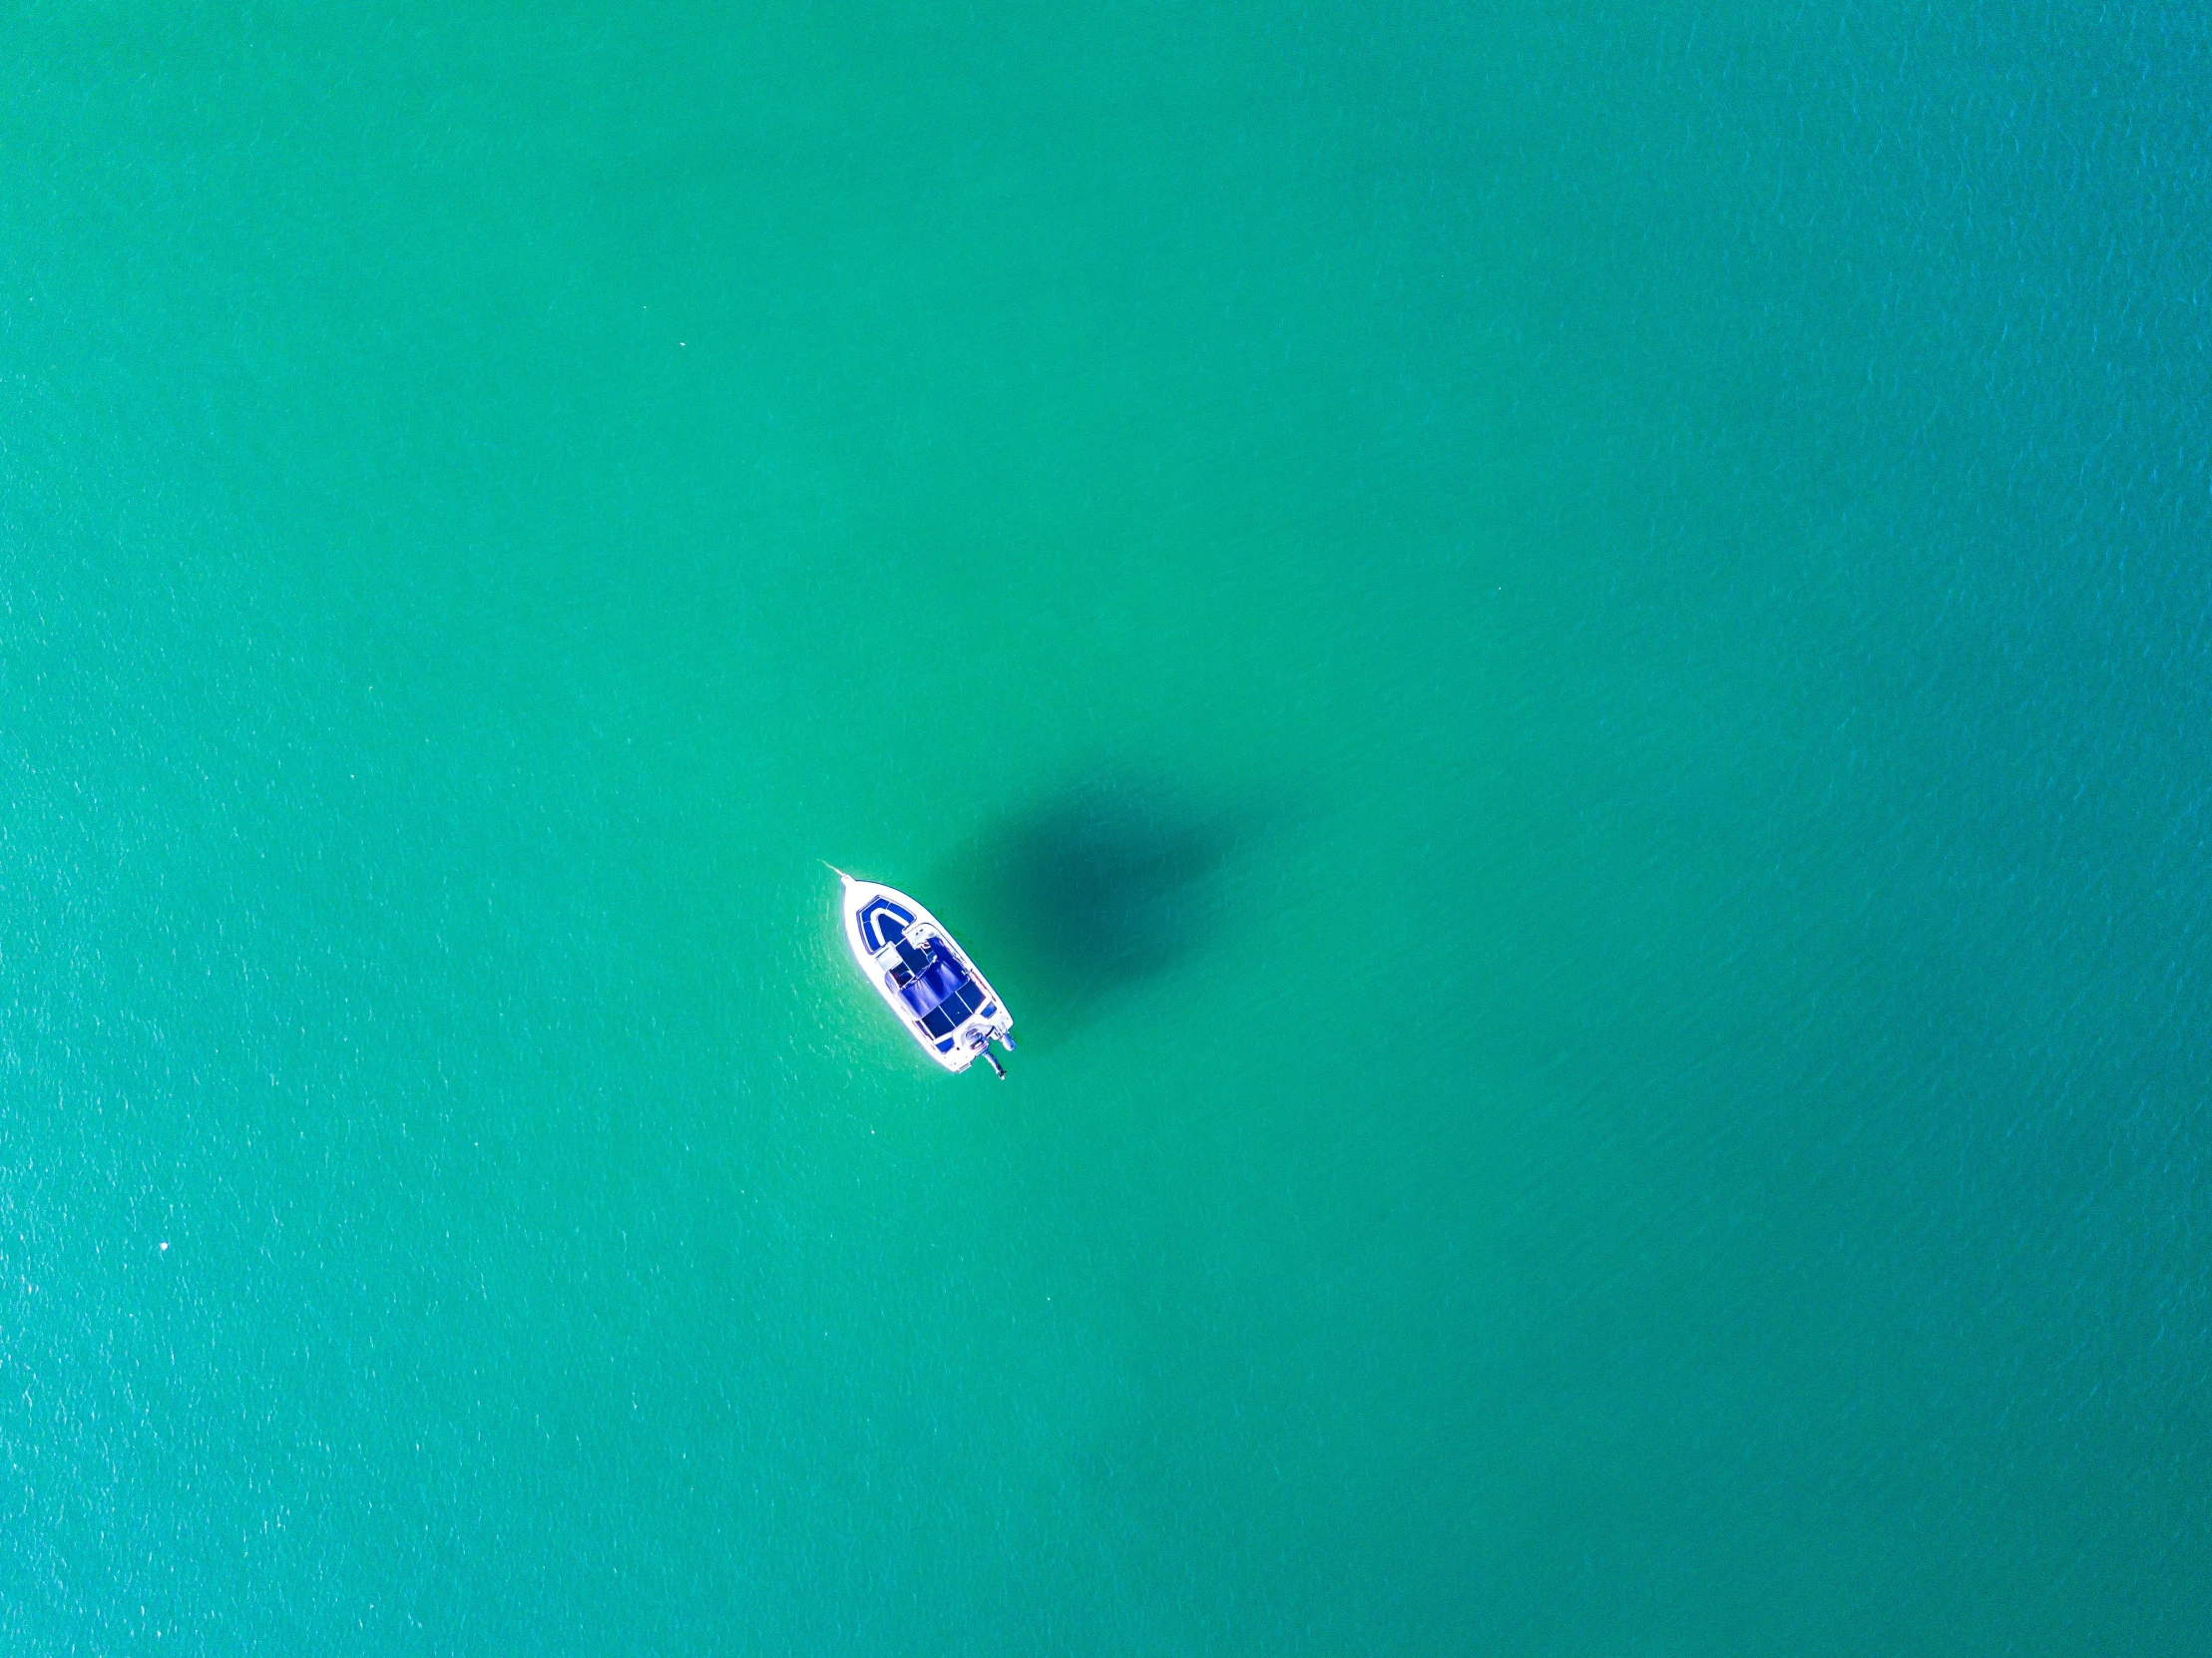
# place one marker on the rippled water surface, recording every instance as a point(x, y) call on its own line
point(1560, 656)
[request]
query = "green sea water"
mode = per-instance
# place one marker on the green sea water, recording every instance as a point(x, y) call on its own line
point(1560, 654)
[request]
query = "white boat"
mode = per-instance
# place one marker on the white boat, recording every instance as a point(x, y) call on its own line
point(924, 978)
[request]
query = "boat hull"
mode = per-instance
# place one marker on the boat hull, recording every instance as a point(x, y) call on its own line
point(876, 918)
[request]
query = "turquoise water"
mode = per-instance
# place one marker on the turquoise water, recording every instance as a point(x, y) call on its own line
point(1560, 656)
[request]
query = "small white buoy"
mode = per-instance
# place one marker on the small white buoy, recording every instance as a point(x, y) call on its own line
point(165, 1245)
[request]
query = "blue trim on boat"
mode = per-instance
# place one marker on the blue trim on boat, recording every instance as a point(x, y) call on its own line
point(871, 919)
point(945, 1047)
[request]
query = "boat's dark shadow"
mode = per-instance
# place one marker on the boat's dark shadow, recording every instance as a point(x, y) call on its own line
point(1101, 884)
